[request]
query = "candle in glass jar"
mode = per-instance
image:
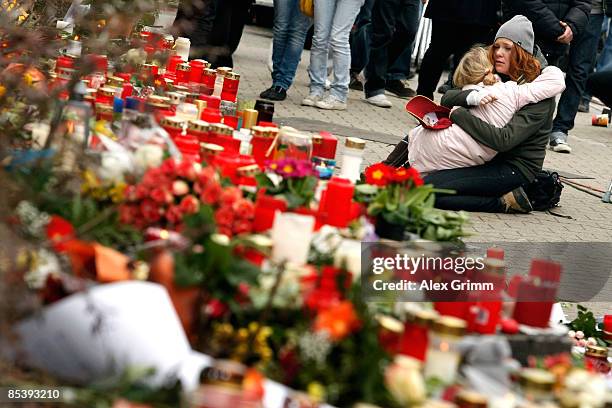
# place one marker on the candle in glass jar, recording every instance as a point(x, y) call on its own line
point(352, 158)
point(182, 73)
point(219, 79)
point(197, 69)
point(173, 125)
point(208, 81)
point(338, 199)
point(182, 46)
point(442, 360)
point(292, 234)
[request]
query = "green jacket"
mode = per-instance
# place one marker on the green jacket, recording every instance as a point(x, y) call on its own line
point(522, 142)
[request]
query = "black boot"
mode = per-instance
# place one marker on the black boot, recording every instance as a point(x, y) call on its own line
point(399, 156)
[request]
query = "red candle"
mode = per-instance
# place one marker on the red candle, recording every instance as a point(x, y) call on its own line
point(173, 62)
point(454, 309)
point(415, 339)
point(189, 147)
point(208, 81)
point(231, 121)
point(324, 145)
point(338, 199)
point(535, 303)
point(197, 69)
point(128, 90)
point(230, 87)
point(495, 253)
point(198, 129)
point(211, 115)
point(182, 73)
point(265, 209)
point(212, 102)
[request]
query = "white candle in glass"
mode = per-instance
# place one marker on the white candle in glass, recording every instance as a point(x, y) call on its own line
point(442, 363)
point(292, 234)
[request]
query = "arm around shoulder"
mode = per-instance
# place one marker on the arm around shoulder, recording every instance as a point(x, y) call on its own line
point(455, 97)
point(524, 124)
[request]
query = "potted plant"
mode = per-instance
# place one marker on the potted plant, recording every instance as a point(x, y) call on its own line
point(401, 203)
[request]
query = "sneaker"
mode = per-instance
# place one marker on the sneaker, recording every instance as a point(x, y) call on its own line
point(397, 87)
point(584, 107)
point(311, 99)
point(558, 143)
point(379, 100)
point(274, 93)
point(331, 103)
point(516, 201)
point(355, 83)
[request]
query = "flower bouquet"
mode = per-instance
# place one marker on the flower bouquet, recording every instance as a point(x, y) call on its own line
point(290, 179)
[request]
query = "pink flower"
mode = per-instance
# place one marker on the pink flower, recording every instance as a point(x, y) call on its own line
point(179, 188)
point(153, 177)
point(189, 204)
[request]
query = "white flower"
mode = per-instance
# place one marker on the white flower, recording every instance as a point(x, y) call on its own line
point(405, 382)
point(114, 166)
point(587, 388)
point(147, 156)
point(43, 264)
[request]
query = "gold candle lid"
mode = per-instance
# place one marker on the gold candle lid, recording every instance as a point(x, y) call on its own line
point(200, 104)
point(107, 91)
point(173, 122)
point(209, 71)
point(203, 61)
point(355, 143)
point(221, 129)
point(537, 379)
point(470, 399)
point(223, 70)
point(104, 108)
point(232, 75)
point(494, 266)
point(390, 323)
point(248, 171)
point(183, 67)
point(158, 99)
point(115, 82)
point(423, 317)
point(317, 139)
point(181, 88)
point(175, 97)
point(596, 351)
point(211, 148)
point(448, 325)
point(198, 125)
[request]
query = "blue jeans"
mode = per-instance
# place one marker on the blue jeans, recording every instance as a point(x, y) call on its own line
point(582, 52)
point(290, 29)
point(605, 59)
point(333, 21)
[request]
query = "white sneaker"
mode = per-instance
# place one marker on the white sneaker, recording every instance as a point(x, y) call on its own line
point(331, 103)
point(379, 100)
point(311, 100)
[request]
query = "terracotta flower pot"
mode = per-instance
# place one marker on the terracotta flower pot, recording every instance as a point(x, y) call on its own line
point(183, 299)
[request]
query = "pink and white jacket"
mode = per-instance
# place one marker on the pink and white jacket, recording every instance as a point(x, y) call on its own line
point(430, 150)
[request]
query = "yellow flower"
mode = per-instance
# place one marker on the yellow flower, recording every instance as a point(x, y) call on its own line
point(316, 391)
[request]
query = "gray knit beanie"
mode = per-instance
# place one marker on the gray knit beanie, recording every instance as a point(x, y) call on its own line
point(519, 30)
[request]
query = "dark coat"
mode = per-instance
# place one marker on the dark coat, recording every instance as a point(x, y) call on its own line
point(546, 15)
point(478, 12)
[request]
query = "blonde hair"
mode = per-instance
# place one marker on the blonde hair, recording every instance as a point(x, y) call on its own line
point(474, 68)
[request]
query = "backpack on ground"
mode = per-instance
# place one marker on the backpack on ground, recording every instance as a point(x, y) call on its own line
point(544, 191)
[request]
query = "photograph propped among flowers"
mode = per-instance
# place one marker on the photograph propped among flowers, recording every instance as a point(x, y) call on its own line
point(402, 204)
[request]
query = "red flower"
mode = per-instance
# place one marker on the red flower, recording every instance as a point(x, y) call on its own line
point(215, 308)
point(242, 227)
point(150, 211)
point(128, 213)
point(130, 193)
point(190, 204)
point(320, 299)
point(230, 195)
point(59, 231)
point(378, 174)
point(174, 215)
point(211, 193)
point(224, 230)
point(224, 217)
point(244, 209)
point(204, 179)
point(153, 178)
point(338, 321)
point(169, 167)
point(141, 191)
point(400, 175)
point(161, 195)
point(188, 169)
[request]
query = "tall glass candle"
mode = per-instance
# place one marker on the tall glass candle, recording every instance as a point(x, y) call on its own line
point(442, 360)
point(292, 234)
point(338, 199)
point(352, 158)
point(230, 87)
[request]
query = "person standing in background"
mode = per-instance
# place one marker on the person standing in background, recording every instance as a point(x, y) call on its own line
point(556, 23)
point(214, 28)
point(290, 30)
point(456, 26)
point(390, 19)
point(583, 50)
point(333, 20)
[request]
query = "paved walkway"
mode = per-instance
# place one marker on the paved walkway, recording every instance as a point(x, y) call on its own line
point(592, 148)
